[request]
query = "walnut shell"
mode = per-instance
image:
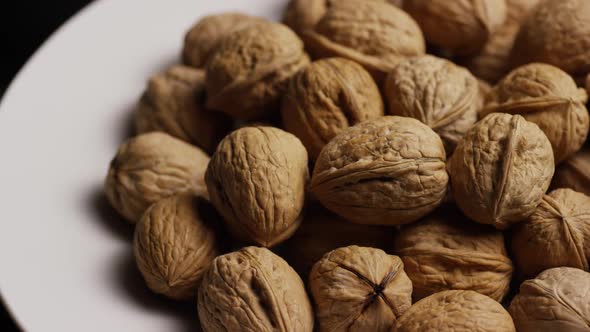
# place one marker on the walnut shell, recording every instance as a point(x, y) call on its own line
point(327, 97)
point(248, 71)
point(256, 180)
point(447, 251)
point(150, 167)
point(374, 34)
point(173, 103)
point(457, 311)
point(436, 92)
point(463, 27)
point(501, 170)
point(205, 34)
point(359, 289)
point(557, 300)
point(548, 97)
point(253, 290)
point(574, 173)
point(173, 246)
point(388, 171)
point(556, 234)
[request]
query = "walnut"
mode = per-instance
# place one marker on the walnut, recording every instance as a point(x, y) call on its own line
point(173, 246)
point(326, 97)
point(374, 34)
point(359, 289)
point(548, 97)
point(463, 27)
point(256, 180)
point(253, 290)
point(150, 167)
point(173, 103)
point(501, 169)
point(436, 92)
point(455, 310)
point(248, 71)
point(556, 234)
point(447, 251)
point(574, 173)
point(557, 300)
point(203, 37)
point(388, 171)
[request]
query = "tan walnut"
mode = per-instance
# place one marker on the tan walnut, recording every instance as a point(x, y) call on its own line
point(556, 234)
point(548, 97)
point(574, 173)
point(556, 300)
point(436, 92)
point(326, 97)
point(461, 26)
point(174, 103)
point(501, 170)
point(458, 311)
point(253, 290)
point(374, 34)
point(173, 246)
point(248, 71)
point(256, 180)
point(446, 251)
point(150, 167)
point(388, 171)
point(359, 289)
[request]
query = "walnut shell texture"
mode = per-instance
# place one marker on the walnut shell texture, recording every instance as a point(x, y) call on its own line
point(248, 71)
point(501, 170)
point(447, 251)
point(326, 97)
point(256, 180)
point(173, 246)
point(436, 92)
point(150, 167)
point(556, 234)
point(548, 97)
point(574, 173)
point(359, 289)
point(457, 311)
point(173, 103)
point(461, 26)
point(556, 300)
point(374, 34)
point(253, 290)
point(388, 171)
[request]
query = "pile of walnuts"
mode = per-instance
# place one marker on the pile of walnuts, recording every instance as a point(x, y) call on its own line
point(329, 174)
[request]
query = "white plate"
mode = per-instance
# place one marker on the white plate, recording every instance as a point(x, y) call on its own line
point(65, 258)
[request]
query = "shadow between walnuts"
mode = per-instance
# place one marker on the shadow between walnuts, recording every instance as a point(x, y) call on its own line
point(108, 218)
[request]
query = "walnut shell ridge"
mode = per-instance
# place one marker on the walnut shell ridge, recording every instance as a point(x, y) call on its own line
point(173, 246)
point(574, 173)
point(248, 71)
point(501, 170)
point(253, 290)
point(436, 92)
point(327, 97)
point(150, 167)
point(387, 171)
point(359, 289)
point(256, 180)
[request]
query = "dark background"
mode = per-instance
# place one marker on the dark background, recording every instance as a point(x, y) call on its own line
point(24, 25)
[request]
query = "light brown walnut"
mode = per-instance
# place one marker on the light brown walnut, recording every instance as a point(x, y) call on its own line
point(574, 173)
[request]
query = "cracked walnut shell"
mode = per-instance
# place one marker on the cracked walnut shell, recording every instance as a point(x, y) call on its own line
point(501, 170)
point(359, 289)
point(150, 167)
point(574, 173)
point(253, 290)
point(327, 97)
point(387, 171)
point(173, 246)
point(256, 180)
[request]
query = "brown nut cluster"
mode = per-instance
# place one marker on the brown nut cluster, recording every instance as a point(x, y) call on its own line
point(327, 97)
point(359, 289)
point(436, 92)
point(574, 173)
point(547, 96)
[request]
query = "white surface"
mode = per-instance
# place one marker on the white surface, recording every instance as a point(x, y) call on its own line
point(65, 258)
